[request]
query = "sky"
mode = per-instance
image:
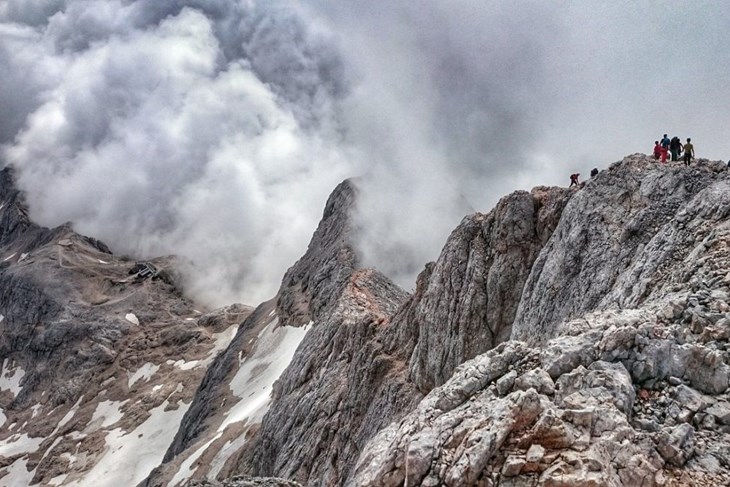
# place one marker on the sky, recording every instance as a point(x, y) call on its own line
point(215, 130)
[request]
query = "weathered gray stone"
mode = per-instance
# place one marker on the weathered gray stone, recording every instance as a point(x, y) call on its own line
point(513, 465)
point(676, 444)
point(536, 379)
point(720, 411)
point(473, 290)
point(506, 382)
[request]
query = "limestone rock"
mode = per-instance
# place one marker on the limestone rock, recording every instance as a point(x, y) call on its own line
point(473, 289)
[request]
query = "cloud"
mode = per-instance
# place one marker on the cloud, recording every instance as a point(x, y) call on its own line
point(443, 105)
point(156, 142)
point(216, 129)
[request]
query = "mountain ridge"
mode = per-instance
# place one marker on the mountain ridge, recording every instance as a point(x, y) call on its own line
point(569, 336)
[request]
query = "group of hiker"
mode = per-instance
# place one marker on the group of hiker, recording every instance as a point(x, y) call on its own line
point(662, 150)
point(674, 147)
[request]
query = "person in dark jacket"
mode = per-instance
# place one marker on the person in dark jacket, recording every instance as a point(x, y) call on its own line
point(574, 180)
point(665, 142)
point(675, 147)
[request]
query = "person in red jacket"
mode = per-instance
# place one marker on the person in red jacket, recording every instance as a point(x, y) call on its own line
point(664, 153)
point(657, 149)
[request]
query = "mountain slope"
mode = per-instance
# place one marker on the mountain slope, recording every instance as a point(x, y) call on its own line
point(98, 365)
point(567, 337)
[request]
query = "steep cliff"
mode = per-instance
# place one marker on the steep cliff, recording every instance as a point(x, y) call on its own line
point(627, 379)
point(619, 240)
point(474, 288)
point(625, 251)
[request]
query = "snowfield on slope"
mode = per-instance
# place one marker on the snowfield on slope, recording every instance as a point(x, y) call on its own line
point(253, 383)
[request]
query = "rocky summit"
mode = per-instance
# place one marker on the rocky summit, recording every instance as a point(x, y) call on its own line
point(569, 337)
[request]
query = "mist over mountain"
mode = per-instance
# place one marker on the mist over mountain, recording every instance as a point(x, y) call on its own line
point(215, 130)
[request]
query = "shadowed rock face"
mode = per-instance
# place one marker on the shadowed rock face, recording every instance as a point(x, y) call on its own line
point(311, 287)
point(343, 383)
point(339, 390)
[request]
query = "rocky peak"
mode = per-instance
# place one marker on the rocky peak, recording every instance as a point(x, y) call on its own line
point(617, 238)
point(578, 336)
point(311, 286)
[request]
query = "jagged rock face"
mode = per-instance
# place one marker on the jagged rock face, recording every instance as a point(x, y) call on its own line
point(631, 397)
point(311, 287)
point(580, 411)
point(351, 376)
point(617, 398)
point(95, 363)
point(338, 312)
point(618, 238)
point(472, 292)
point(339, 390)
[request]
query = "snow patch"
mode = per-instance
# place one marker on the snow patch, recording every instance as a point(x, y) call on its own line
point(3, 418)
point(17, 473)
point(106, 412)
point(17, 444)
point(70, 414)
point(36, 409)
point(23, 256)
point(132, 318)
point(220, 459)
point(102, 261)
point(254, 381)
point(9, 257)
point(58, 480)
point(222, 340)
point(183, 365)
point(185, 471)
point(145, 372)
point(129, 457)
point(11, 382)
